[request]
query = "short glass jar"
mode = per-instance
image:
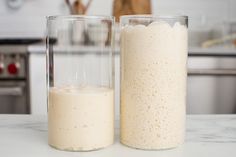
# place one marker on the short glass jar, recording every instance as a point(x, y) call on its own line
point(80, 78)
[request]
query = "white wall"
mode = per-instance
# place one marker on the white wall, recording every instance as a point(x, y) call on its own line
point(200, 12)
point(29, 20)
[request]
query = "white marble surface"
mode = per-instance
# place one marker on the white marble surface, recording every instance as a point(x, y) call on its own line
point(207, 136)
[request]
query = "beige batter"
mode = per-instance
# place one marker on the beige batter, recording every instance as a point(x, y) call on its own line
point(80, 119)
point(153, 85)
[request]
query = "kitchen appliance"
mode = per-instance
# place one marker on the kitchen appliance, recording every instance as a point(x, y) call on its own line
point(14, 80)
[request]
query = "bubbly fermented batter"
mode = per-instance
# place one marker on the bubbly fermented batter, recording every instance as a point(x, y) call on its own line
point(153, 85)
point(80, 119)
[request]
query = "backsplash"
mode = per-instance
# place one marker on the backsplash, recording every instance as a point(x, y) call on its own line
point(29, 19)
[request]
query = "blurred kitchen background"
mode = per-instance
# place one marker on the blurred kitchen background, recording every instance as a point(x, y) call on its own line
point(212, 49)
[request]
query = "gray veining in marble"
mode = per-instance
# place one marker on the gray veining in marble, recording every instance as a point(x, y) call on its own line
point(217, 129)
point(206, 136)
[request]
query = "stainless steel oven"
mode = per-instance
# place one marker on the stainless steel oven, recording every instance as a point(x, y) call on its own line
point(14, 89)
point(14, 76)
point(14, 97)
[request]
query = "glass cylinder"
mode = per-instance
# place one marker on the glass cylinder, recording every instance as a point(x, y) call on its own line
point(153, 80)
point(80, 80)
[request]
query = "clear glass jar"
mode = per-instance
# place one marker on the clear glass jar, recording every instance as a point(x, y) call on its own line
point(80, 80)
point(153, 80)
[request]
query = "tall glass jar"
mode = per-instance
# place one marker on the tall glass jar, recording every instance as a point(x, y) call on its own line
point(153, 80)
point(80, 79)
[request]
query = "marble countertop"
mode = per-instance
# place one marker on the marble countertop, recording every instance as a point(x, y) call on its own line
point(206, 136)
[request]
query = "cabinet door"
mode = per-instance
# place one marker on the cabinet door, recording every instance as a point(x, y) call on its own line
point(37, 74)
point(211, 85)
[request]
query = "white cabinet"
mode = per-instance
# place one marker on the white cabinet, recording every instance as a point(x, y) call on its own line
point(206, 94)
point(37, 74)
point(211, 85)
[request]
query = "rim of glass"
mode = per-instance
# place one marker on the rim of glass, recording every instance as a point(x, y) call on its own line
point(150, 16)
point(80, 17)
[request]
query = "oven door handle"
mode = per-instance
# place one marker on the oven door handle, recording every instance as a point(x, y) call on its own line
point(216, 72)
point(11, 91)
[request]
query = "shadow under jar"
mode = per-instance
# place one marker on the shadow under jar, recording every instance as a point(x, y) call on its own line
point(153, 81)
point(80, 82)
